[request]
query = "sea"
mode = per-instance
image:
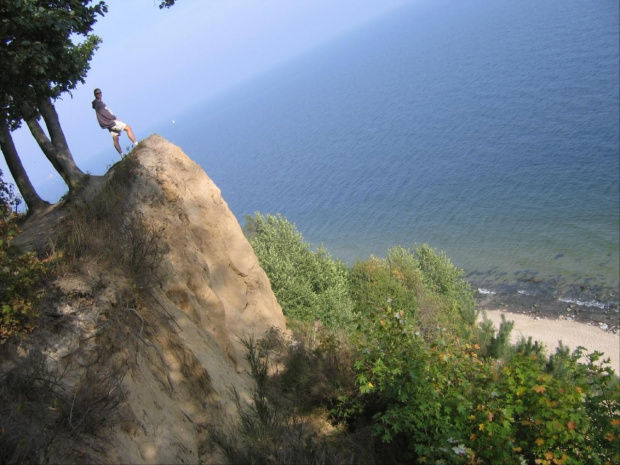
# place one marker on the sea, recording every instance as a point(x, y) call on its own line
point(488, 129)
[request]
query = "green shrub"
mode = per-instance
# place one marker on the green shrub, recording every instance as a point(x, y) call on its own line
point(433, 384)
point(421, 283)
point(446, 402)
point(421, 392)
point(444, 279)
point(374, 287)
point(496, 343)
point(549, 411)
point(21, 274)
point(308, 285)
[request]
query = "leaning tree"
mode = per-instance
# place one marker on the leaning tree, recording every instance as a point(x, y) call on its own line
point(45, 50)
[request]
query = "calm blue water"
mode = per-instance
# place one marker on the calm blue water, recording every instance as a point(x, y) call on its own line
point(488, 129)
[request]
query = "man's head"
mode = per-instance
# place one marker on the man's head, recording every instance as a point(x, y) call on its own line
point(97, 93)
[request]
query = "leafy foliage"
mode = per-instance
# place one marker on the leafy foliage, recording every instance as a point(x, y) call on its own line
point(446, 280)
point(166, 4)
point(308, 285)
point(374, 286)
point(435, 385)
point(541, 409)
point(448, 403)
point(21, 274)
point(418, 283)
point(419, 389)
point(37, 50)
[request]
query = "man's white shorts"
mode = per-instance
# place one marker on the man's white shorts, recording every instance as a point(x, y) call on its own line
point(116, 130)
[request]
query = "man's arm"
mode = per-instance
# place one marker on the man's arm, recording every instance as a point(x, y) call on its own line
point(103, 110)
point(104, 116)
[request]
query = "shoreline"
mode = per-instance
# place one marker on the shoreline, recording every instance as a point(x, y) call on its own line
point(571, 333)
point(539, 299)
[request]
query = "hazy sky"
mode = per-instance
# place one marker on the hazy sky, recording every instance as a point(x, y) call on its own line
point(155, 63)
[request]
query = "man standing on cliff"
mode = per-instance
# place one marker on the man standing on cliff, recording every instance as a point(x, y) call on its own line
point(108, 121)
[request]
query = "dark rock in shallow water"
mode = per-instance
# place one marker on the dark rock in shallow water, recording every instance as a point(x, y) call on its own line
point(590, 300)
point(548, 307)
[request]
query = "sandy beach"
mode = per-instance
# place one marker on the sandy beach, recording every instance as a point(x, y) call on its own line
point(572, 334)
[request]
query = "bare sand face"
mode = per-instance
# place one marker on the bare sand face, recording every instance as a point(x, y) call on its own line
point(571, 333)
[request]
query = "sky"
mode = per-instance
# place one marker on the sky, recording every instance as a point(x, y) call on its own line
point(154, 64)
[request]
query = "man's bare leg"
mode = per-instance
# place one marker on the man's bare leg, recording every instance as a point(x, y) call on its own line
point(130, 134)
point(117, 146)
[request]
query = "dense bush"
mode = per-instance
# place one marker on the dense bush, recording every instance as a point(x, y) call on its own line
point(21, 274)
point(447, 403)
point(435, 385)
point(446, 281)
point(309, 285)
point(374, 287)
point(432, 379)
point(421, 284)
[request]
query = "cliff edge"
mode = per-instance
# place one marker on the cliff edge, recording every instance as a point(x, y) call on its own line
point(153, 321)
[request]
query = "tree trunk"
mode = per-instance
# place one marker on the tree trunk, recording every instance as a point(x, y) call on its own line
point(45, 144)
point(32, 199)
point(70, 172)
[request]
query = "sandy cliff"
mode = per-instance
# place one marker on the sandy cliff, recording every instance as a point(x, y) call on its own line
point(175, 343)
